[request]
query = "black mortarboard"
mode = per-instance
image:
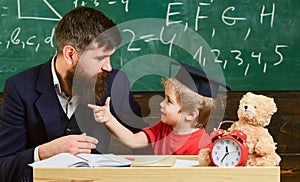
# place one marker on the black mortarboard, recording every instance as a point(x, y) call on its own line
point(197, 80)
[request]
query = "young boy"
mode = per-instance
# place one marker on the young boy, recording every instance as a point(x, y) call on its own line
point(185, 111)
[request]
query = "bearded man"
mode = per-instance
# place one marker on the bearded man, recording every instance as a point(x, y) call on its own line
point(44, 109)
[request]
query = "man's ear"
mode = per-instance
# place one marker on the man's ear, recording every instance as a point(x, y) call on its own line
point(70, 54)
point(192, 115)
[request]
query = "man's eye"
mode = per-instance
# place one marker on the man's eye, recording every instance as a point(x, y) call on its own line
point(101, 58)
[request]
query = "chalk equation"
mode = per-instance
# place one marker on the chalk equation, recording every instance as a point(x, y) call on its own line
point(173, 13)
point(200, 57)
point(96, 3)
point(58, 16)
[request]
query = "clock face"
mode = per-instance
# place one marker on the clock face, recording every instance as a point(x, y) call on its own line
point(226, 152)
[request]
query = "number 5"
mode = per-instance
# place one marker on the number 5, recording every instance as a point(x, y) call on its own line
point(279, 54)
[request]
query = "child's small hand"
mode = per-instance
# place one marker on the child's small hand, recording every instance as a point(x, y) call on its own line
point(101, 113)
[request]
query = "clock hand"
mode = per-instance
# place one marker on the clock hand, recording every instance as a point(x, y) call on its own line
point(226, 153)
point(224, 157)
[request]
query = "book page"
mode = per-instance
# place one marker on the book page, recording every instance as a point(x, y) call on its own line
point(60, 160)
point(65, 160)
point(105, 160)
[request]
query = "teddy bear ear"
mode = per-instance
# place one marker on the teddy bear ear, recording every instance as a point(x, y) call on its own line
point(248, 94)
point(272, 105)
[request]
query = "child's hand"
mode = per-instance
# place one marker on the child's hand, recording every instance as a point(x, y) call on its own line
point(101, 113)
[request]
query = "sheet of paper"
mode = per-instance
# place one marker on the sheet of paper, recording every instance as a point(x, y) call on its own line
point(154, 161)
point(60, 160)
point(105, 160)
point(186, 163)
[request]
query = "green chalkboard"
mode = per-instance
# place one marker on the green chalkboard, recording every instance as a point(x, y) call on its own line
point(249, 44)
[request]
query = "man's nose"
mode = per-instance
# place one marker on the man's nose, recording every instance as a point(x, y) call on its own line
point(106, 66)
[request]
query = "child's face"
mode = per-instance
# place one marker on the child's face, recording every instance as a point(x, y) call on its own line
point(170, 108)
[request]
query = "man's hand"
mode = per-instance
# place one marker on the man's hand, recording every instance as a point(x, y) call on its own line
point(73, 144)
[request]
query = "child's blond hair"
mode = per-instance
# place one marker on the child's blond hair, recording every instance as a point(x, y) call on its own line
point(190, 100)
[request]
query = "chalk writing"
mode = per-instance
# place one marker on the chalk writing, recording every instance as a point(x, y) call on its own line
point(279, 54)
point(4, 11)
point(30, 40)
point(248, 33)
point(170, 42)
point(229, 19)
point(257, 56)
point(198, 16)
point(76, 3)
point(238, 57)
point(263, 14)
point(7, 69)
point(129, 48)
point(96, 3)
point(21, 16)
point(170, 13)
point(245, 38)
point(198, 55)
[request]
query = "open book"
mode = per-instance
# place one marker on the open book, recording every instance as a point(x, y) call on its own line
point(65, 160)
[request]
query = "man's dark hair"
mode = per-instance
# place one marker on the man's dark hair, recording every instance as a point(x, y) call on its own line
point(83, 25)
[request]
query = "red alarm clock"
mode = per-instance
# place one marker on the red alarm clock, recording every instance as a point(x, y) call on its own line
point(228, 150)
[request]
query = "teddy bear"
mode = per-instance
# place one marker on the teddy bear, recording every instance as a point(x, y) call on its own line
point(254, 113)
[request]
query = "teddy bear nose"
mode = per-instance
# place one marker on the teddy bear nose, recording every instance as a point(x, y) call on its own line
point(246, 107)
